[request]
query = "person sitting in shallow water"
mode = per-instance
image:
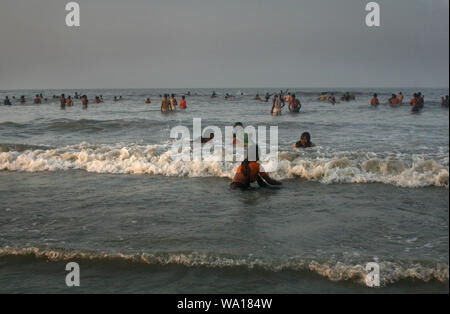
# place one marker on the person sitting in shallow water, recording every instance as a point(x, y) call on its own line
point(250, 171)
point(305, 141)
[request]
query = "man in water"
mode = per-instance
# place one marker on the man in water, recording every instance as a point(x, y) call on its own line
point(421, 100)
point(165, 105)
point(294, 104)
point(213, 94)
point(374, 102)
point(22, 99)
point(62, 101)
point(305, 141)
point(393, 100)
point(183, 102)
point(69, 101)
point(415, 103)
point(37, 99)
point(84, 101)
point(250, 171)
point(7, 102)
point(147, 100)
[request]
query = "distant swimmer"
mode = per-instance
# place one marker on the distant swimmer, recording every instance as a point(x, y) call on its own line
point(250, 171)
point(183, 102)
point(173, 102)
point(62, 101)
point(148, 101)
point(7, 102)
point(227, 96)
point(400, 98)
point(69, 101)
point(37, 99)
point(76, 96)
point(444, 101)
point(213, 95)
point(332, 99)
point(415, 103)
point(115, 98)
point(207, 139)
point(305, 141)
point(97, 100)
point(22, 99)
point(393, 100)
point(352, 96)
point(374, 102)
point(84, 101)
point(120, 97)
point(323, 96)
point(165, 104)
point(267, 97)
point(421, 100)
point(257, 97)
point(294, 104)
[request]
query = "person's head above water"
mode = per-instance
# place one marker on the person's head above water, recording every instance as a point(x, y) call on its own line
point(305, 139)
point(375, 95)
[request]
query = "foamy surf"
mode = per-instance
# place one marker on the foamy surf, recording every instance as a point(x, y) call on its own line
point(390, 271)
point(410, 171)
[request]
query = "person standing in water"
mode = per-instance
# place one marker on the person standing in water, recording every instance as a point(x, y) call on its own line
point(275, 105)
point(294, 104)
point(69, 101)
point(165, 105)
point(7, 102)
point(84, 101)
point(393, 100)
point(62, 101)
point(444, 101)
point(374, 102)
point(400, 98)
point(173, 102)
point(183, 102)
point(414, 103)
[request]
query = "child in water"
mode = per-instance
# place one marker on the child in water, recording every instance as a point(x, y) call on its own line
point(305, 141)
point(250, 171)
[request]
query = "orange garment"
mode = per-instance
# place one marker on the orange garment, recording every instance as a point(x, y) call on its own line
point(182, 104)
point(254, 171)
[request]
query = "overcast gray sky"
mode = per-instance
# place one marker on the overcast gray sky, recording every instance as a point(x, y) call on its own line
point(223, 43)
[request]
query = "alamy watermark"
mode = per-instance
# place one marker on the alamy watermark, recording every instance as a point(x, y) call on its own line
point(236, 143)
point(73, 15)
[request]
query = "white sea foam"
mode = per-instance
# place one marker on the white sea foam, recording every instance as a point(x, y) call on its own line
point(331, 168)
point(392, 271)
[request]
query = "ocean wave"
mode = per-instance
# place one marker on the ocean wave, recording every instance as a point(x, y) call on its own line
point(390, 271)
point(411, 171)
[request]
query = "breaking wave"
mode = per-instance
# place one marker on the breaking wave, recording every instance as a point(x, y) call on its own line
point(403, 170)
point(390, 272)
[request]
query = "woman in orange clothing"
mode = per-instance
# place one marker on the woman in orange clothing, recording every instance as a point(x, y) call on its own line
point(183, 102)
point(251, 171)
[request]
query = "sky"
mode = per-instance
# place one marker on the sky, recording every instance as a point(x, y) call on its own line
point(223, 43)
